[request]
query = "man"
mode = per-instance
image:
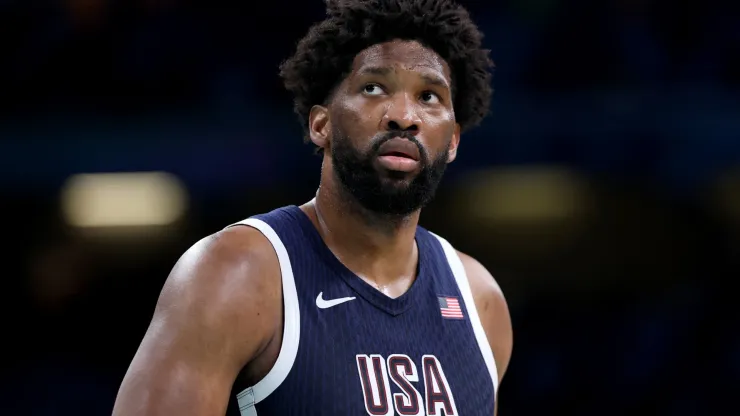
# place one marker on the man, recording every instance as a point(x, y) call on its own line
point(344, 306)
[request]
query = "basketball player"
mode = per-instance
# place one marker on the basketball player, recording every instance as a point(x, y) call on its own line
point(344, 305)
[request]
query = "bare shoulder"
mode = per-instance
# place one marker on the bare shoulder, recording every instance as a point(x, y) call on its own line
point(493, 310)
point(219, 308)
point(237, 258)
point(226, 280)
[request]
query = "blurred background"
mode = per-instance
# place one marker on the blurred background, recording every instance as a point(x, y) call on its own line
point(603, 192)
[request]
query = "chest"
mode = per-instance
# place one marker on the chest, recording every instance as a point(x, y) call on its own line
point(355, 359)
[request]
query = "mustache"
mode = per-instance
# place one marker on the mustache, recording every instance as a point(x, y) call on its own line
point(381, 138)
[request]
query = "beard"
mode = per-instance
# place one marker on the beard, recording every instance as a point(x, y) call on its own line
point(386, 192)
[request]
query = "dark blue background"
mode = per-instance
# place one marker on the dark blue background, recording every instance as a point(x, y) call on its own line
point(630, 310)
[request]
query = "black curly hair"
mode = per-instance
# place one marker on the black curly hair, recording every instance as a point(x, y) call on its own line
point(324, 56)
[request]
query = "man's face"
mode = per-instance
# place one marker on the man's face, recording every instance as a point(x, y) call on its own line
point(393, 127)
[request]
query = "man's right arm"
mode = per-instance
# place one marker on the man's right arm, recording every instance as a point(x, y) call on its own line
point(220, 307)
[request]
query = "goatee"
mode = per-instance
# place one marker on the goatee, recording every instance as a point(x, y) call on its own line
point(386, 193)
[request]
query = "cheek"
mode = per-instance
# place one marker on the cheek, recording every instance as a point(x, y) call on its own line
point(440, 117)
point(355, 119)
point(439, 135)
point(441, 127)
point(437, 118)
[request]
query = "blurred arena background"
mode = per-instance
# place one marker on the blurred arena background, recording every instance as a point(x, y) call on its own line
point(603, 191)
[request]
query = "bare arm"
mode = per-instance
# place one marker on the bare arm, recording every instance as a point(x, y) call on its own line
point(493, 311)
point(219, 308)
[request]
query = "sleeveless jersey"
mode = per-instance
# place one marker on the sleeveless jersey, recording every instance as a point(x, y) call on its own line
point(349, 350)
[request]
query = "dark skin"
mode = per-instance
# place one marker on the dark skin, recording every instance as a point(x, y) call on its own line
point(221, 308)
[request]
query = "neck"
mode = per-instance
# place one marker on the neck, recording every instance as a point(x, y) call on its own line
point(374, 233)
point(381, 249)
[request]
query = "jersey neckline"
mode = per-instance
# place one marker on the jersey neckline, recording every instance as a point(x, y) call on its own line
point(392, 306)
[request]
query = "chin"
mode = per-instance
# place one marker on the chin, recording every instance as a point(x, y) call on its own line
point(395, 185)
point(393, 176)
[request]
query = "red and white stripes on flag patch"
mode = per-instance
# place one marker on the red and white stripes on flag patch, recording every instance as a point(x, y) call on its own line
point(450, 307)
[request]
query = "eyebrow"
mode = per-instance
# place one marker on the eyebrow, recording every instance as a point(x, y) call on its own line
point(386, 70)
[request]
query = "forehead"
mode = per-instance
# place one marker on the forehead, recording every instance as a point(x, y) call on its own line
point(401, 55)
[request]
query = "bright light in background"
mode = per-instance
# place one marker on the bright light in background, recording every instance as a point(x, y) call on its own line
point(530, 194)
point(123, 199)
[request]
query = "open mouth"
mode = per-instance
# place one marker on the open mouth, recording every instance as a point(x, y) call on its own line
point(398, 154)
point(400, 148)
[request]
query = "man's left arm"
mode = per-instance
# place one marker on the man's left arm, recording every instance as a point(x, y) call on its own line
point(493, 311)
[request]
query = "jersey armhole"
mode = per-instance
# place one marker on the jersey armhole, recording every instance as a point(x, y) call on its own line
point(250, 396)
point(458, 270)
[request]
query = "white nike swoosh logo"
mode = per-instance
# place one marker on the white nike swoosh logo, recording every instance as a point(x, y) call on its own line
point(323, 304)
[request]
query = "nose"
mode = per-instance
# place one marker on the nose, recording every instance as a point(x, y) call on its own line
point(402, 115)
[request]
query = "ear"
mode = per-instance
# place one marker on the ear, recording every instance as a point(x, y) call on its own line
point(319, 126)
point(453, 144)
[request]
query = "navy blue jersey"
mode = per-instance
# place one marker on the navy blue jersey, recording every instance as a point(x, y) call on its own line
point(348, 349)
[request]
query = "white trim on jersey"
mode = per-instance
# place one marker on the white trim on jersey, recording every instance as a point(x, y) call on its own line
point(458, 270)
point(291, 326)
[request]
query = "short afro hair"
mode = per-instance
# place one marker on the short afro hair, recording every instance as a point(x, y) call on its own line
point(325, 55)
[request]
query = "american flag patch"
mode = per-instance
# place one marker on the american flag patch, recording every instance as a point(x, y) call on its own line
point(450, 307)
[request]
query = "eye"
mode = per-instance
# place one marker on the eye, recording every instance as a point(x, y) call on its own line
point(430, 97)
point(372, 89)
